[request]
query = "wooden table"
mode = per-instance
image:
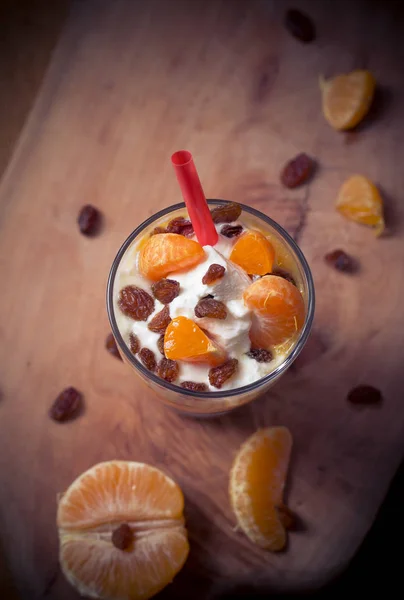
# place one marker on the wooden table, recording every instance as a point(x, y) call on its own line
point(129, 83)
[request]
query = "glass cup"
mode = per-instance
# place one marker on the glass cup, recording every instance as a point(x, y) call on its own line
point(220, 402)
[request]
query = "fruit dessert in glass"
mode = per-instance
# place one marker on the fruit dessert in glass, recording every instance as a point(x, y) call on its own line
point(210, 328)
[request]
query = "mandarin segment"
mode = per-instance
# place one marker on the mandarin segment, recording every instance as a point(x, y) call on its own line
point(184, 340)
point(99, 570)
point(257, 481)
point(278, 311)
point(101, 502)
point(359, 200)
point(127, 491)
point(167, 253)
point(347, 98)
point(254, 253)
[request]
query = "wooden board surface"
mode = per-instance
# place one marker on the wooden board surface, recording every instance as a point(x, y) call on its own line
point(130, 82)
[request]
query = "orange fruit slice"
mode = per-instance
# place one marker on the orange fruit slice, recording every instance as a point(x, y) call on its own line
point(253, 253)
point(278, 310)
point(257, 480)
point(347, 98)
point(114, 497)
point(185, 340)
point(168, 252)
point(359, 200)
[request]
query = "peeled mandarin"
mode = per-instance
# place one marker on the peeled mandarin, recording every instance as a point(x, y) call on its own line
point(278, 310)
point(168, 252)
point(254, 253)
point(359, 200)
point(121, 531)
point(347, 98)
point(257, 480)
point(185, 340)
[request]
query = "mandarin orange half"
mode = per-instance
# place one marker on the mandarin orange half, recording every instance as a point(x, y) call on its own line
point(100, 501)
point(278, 310)
point(257, 481)
point(168, 252)
point(185, 340)
point(254, 253)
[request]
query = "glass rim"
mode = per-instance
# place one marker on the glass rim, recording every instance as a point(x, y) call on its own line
point(223, 393)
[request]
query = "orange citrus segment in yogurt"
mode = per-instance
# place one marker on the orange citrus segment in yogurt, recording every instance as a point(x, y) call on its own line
point(278, 310)
point(254, 253)
point(359, 200)
point(184, 340)
point(168, 252)
point(257, 480)
point(121, 531)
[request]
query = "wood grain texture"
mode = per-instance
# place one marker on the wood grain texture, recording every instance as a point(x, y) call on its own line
point(130, 83)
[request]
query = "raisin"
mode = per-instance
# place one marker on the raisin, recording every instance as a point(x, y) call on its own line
point(286, 516)
point(300, 25)
point(194, 387)
point(284, 274)
point(160, 321)
point(89, 220)
point(158, 230)
point(111, 346)
point(166, 290)
point(231, 231)
point(135, 303)
point(260, 355)
point(122, 537)
point(134, 343)
point(148, 359)
point(67, 405)
point(160, 344)
point(219, 375)
point(226, 213)
point(364, 394)
point(182, 226)
point(168, 369)
point(297, 171)
point(214, 273)
point(208, 307)
point(341, 261)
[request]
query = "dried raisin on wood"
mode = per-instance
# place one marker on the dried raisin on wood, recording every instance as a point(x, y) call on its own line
point(284, 274)
point(134, 343)
point(111, 346)
point(89, 220)
point(122, 537)
point(214, 273)
point(166, 290)
point(168, 369)
point(260, 355)
point(226, 213)
point(67, 405)
point(160, 321)
point(341, 261)
point(182, 226)
point(300, 25)
point(194, 387)
point(365, 395)
point(209, 307)
point(219, 375)
point(231, 231)
point(135, 303)
point(297, 171)
point(148, 359)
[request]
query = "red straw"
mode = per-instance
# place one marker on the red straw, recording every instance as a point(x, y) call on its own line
point(194, 198)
